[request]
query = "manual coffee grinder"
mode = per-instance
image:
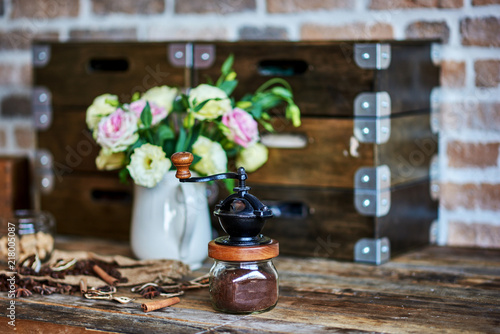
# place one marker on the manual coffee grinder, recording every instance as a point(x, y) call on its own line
point(243, 279)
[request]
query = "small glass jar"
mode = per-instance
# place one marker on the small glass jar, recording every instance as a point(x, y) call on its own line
point(27, 233)
point(243, 287)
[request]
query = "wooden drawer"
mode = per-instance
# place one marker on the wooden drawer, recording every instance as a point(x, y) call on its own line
point(334, 151)
point(326, 222)
point(327, 77)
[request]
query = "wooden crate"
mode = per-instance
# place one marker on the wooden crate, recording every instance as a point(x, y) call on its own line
point(366, 134)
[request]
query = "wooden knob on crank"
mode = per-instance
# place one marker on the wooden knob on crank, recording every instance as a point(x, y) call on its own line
point(182, 161)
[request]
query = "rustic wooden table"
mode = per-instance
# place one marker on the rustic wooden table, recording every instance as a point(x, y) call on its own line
point(432, 290)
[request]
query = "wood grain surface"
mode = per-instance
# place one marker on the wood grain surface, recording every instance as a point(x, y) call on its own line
point(431, 290)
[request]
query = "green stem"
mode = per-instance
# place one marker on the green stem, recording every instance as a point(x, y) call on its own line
point(271, 82)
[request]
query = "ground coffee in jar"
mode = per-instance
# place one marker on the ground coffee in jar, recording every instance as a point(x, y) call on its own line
point(243, 280)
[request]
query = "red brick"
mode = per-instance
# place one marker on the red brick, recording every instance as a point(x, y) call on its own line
point(481, 31)
point(487, 73)
point(473, 234)
point(462, 154)
point(485, 2)
point(25, 137)
point(127, 34)
point(15, 75)
point(484, 196)
point(453, 74)
point(21, 39)
point(408, 4)
point(44, 8)
point(482, 116)
point(428, 29)
point(105, 7)
point(293, 6)
point(16, 105)
point(353, 31)
point(214, 6)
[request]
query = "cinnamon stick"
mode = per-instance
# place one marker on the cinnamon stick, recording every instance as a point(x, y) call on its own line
point(83, 285)
point(158, 304)
point(104, 275)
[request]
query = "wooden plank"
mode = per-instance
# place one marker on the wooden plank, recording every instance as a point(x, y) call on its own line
point(406, 295)
point(95, 205)
point(77, 72)
point(324, 77)
point(332, 154)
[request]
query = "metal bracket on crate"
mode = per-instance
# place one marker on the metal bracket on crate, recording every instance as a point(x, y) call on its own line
point(372, 196)
point(44, 173)
point(372, 56)
point(374, 251)
point(435, 102)
point(189, 55)
point(372, 129)
point(41, 104)
point(41, 55)
point(434, 177)
point(372, 104)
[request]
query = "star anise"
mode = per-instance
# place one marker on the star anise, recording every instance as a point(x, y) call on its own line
point(150, 292)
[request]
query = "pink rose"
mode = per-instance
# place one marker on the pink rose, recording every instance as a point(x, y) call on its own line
point(243, 128)
point(117, 131)
point(158, 112)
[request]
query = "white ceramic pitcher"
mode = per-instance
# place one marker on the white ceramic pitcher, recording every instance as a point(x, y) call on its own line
point(171, 221)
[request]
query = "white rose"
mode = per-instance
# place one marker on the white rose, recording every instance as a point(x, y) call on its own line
point(213, 157)
point(148, 165)
point(109, 161)
point(219, 102)
point(117, 131)
point(252, 157)
point(162, 96)
point(100, 108)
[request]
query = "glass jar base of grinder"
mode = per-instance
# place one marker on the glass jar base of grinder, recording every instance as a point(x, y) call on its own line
point(243, 279)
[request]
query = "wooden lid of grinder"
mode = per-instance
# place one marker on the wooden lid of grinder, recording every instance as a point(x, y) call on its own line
point(243, 253)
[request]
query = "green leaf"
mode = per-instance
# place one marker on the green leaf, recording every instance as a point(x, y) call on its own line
point(229, 86)
point(181, 141)
point(196, 159)
point(135, 145)
point(136, 96)
point(256, 111)
point(228, 64)
point(282, 92)
point(123, 175)
point(198, 106)
point(193, 136)
point(164, 132)
point(146, 116)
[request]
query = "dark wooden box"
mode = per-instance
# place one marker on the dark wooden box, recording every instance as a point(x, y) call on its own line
point(366, 110)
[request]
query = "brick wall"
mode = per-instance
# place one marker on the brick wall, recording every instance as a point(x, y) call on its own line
point(470, 94)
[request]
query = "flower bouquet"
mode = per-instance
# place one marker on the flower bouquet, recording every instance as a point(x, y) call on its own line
point(139, 136)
